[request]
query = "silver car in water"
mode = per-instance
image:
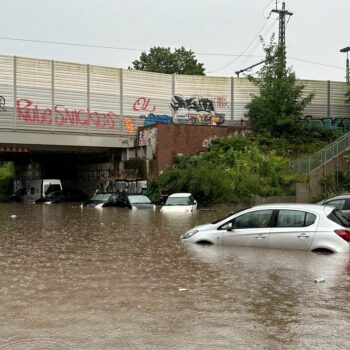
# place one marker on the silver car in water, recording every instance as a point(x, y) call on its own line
point(287, 226)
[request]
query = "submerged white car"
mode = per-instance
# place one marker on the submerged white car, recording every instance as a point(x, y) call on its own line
point(288, 226)
point(179, 202)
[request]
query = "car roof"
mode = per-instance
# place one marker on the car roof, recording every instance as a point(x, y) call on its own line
point(180, 194)
point(341, 196)
point(295, 206)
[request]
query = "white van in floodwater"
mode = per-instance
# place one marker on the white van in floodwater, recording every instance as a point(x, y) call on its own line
point(40, 188)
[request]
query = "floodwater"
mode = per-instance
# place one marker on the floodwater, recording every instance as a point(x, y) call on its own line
point(73, 278)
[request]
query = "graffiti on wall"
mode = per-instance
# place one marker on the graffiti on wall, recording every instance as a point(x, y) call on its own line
point(206, 143)
point(2, 104)
point(151, 119)
point(143, 104)
point(191, 110)
point(196, 110)
point(30, 113)
point(148, 137)
point(129, 125)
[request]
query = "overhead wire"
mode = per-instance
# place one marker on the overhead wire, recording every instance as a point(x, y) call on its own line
point(244, 51)
point(246, 60)
point(138, 49)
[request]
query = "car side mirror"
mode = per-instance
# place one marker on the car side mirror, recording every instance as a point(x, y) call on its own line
point(229, 227)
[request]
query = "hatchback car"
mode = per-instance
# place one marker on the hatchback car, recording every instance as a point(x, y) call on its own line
point(341, 202)
point(288, 226)
point(139, 201)
point(63, 196)
point(179, 202)
point(119, 199)
point(103, 199)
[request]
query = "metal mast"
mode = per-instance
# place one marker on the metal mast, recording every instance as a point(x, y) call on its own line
point(282, 26)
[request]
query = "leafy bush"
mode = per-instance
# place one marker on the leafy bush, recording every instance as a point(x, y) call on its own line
point(232, 171)
point(6, 177)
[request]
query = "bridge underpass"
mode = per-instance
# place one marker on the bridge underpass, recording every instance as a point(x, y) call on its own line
point(80, 161)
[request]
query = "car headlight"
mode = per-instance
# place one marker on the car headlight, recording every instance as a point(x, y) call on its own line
point(100, 205)
point(189, 234)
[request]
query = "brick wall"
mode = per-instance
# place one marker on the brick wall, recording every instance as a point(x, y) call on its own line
point(168, 140)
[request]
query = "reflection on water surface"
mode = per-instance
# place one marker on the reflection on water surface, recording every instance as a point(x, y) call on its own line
point(115, 279)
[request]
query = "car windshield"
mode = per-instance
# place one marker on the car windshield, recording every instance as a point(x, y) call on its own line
point(178, 201)
point(52, 188)
point(139, 199)
point(230, 213)
point(54, 194)
point(103, 197)
point(337, 216)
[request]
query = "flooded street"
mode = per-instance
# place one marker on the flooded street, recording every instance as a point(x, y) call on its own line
point(74, 278)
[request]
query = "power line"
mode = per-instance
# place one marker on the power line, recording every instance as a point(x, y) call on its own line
point(246, 49)
point(71, 44)
point(316, 63)
point(135, 49)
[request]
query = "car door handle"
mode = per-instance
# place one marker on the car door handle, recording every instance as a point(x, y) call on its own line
point(260, 236)
point(303, 235)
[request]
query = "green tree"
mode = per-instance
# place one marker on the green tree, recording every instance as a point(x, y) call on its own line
point(280, 103)
point(6, 176)
point(162, 60)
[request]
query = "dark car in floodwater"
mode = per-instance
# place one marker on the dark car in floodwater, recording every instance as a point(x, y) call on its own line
point(63, 196)
point(119, 199)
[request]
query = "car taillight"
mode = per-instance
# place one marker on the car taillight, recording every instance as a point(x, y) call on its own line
point(343, 234)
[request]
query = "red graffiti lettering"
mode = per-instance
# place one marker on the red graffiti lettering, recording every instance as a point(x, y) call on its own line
point(221, 101)
point(46, 116)
point(141, 104)
point(23, 112)
point(32, 114)
point(60, 118)
point(78, 117)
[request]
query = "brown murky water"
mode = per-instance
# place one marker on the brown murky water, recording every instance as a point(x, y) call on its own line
point(122, 279)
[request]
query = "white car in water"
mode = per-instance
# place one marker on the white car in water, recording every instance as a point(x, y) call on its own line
point(287, 226)
point(179, 202)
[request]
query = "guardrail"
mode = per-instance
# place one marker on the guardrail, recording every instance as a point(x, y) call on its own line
point(308, 164)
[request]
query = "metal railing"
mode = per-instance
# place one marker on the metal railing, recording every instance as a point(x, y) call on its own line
point(307, 165)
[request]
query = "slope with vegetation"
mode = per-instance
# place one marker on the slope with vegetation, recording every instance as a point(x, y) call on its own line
point(235, 169)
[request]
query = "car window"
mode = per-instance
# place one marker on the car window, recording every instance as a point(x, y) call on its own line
point(52, 188)
point(338, 217)
point(178, 201)
point(294, 218)
point(139, 199)
point(336, 203)
point(104, 197)
point(254, 219)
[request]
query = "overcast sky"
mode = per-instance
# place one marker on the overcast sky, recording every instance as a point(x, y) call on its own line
point(224, 34)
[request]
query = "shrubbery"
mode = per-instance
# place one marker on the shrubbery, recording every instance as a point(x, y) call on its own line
point(6, 177)
point(232, 171)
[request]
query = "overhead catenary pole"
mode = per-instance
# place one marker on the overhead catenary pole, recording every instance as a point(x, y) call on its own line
point(282, 26)
point(281, 35)
point(347, 49)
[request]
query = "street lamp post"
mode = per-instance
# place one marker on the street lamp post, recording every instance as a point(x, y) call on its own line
point(347, 49)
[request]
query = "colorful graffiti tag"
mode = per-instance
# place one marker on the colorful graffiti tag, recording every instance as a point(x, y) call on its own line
point(196, 110)
point(191, 110)
point(151, 119)
point(61, 115)
point(129, 125)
